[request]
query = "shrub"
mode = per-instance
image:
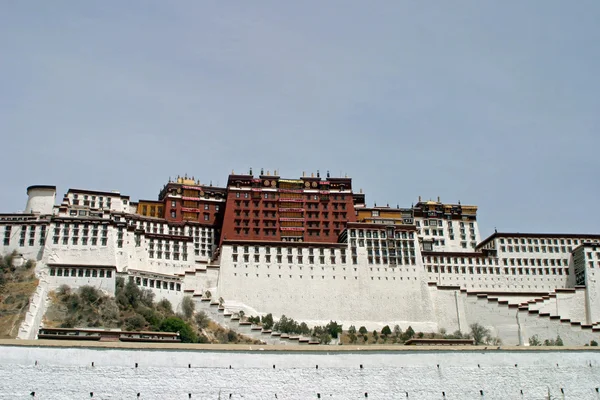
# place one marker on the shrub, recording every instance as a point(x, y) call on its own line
point(352, 330)
point(232, 336)
point(334, 329)
point(202, 319)
point(135, 323)
point(63, 290)
point(479, 333)
point(386, 331)
point(165, 306)
point(89, 294)
point(352, 337)
point(534, 341)
point(267, 321)
point(175, 324)
point(188, 307)
point(147, 297)
point(362, 330)
point(593, 343)
point(409, 334)
point(397, 331)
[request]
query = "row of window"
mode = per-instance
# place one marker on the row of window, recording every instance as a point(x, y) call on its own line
point(380, 234)
point(389, 260)
point(546, 241)
point(376, 243)
point(81, 272)
point(288, 250)
point(155, 283)
point(536, 249)
point(290, 259)
point(435, 222)
point(84, 241)
point(496, 270)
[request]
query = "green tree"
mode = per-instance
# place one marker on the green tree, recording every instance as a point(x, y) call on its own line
point(334, 329)
point(176, 324)
point(397, 331)
point(362, 330)
point(352, 330)
point(304, 329)
point(479, 333)
point(535, 341)
point(593, 343)
point(409, 334)
point(188, 307)
point(386, 331)
point(559, 341)
point(375, 336)
point(267, 321)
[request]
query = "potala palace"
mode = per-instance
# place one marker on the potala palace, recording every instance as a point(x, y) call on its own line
point(310, 248)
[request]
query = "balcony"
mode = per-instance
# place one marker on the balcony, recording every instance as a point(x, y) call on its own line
point(291, 210)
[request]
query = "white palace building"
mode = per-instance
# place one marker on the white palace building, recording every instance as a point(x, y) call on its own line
point(334, 259)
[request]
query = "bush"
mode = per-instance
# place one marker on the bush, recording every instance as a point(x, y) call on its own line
point(362, 330)
point(175, 324)
point(232, 336)
point(165, 306)
point(479, 333)
point(188, 307)
point(397, 331)
point(202, 320)
point(333, 329)
point(386, 331)
point(267, 321)
point(593, 343)
point(135, 323)
point(352, 330)
point(409, 334)
point(63, 290)
point(89, 294)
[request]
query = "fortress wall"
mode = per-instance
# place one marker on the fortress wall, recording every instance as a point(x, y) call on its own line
point(67, 373)
point(502, 282)
point(371, 295)
point(572, 305)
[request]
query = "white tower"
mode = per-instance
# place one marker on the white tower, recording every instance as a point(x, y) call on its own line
point(41, 199)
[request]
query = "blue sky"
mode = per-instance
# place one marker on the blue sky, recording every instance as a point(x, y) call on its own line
point(490, 103)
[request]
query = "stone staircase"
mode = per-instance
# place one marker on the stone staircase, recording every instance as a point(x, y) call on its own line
point(543, 307)
point(30, 326)
point(512, 317)
point(230, 319)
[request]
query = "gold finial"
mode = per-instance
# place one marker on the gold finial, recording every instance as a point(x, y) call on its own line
point(232, 172)
point(438, 199)
point(303, 174)
point(419, 199)
point(312, 174)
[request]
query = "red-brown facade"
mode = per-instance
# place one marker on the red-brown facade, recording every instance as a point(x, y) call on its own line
point(270, 208)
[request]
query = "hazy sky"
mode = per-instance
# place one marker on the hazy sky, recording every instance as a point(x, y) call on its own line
point(493, 103)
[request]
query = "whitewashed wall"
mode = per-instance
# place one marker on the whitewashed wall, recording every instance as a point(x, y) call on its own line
point(67, 373)
point(370, 295)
